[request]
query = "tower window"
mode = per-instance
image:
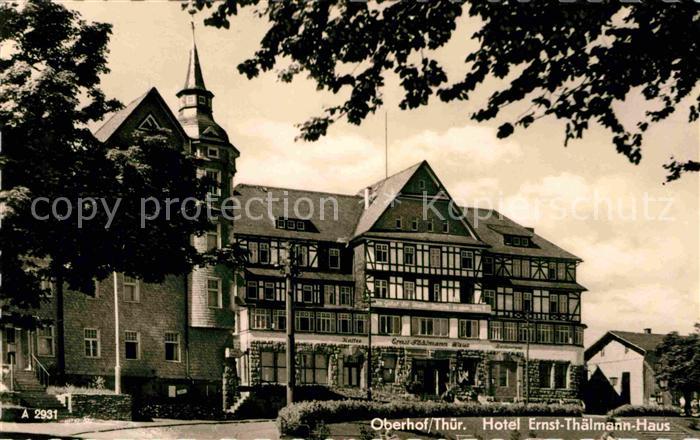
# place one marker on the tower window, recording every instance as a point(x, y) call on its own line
point(212, 152)
point(202, 100)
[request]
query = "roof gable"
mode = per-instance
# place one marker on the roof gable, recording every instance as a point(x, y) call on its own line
point(415, 182)
point(642, 343)
point(148, 107)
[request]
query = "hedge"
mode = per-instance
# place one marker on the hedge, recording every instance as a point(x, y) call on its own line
point(301, 418)
point(644, 410)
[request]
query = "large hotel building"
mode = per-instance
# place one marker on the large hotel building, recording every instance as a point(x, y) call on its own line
point(473, 299)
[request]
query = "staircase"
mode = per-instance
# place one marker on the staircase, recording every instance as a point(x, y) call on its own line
point(32, 393)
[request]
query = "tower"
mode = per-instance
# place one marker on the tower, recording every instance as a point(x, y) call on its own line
point(210, 288)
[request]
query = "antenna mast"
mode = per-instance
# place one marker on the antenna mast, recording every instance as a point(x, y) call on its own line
point(386, 144)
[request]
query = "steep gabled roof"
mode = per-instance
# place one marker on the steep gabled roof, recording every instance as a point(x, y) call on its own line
point(643, 343)
point(112, 125)
point(383, 193)
point(255, 219)
point(491, 225)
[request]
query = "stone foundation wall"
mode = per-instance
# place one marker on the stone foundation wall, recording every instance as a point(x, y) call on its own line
point(98, 406)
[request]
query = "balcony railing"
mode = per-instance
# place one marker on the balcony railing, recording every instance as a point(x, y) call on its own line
point(390, 303)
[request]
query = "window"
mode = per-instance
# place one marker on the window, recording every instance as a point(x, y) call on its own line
point(388, 366)
point(345, 295)
point(488, 265)
point(300, 225)
point(409, 290)
point(552, 270)
point(545, 333)
point(325, 322)
point(563, 335)
point(527, 332)
point(469, 328)
point(252, 289)
point(291, 224)
point(496, 330)
point(502, 375)
point(545, 373)
point(269, 291)
point(214, 182)
point(578, 336)
point(334, 258)
point(214, 237)
point(260, 319)
point(301, 255)
point(361, 324)
point(613, 381)
point(527, 301)
point(445, 227)
point(524, 242)
point(274, 366)
point(553, 302)
point(213, 152)
point(304, 321)
point(45, 339)
point(202, 100)
point(467, 259)
point(561, 371)
point(314, 368)
point(380, 288)
point(435, 254)
point(214, 297)
point(281, 223)
point(398, 223)
point(132, 349)
point(131, 289)
point(510, 331)
point(47, 287)
point(414, 224)
point(344, 323)
point(421, 184)
point(409, 255)
point(430, 326)
point(307, 293)
point(430, 225)
point(381, 253)
point(490, 298)
point(389, 325)
point(279, 320)
point(92, 343)
point(172, 347)
point(264, 253)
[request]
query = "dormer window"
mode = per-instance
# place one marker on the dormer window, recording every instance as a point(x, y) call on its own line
point(300, 225)
point(213, 152)
point(294, 225)
point(516, 240)
point(445, 227)
point(281, 223)
point(398, 223)
point(291, 225)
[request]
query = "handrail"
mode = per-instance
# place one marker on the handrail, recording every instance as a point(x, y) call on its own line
point(41, 373)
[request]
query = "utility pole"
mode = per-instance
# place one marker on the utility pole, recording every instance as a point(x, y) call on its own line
point(368, 299)
point(290, 270)
point(117, 365)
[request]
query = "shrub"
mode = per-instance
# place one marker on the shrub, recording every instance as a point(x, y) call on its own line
point(302, 417)
point(71, 389)
point(644, 410)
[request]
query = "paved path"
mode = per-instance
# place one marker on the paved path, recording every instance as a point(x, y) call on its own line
point(161, 429)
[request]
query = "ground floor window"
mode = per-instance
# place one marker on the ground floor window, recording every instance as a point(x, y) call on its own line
point(46, 341)
point(553, 374)
point(545, 374)
point(421, 326)
point(92, 342)
point(561, 371)
point(132, 349)
point(172, 347)
point(314, 368)
point(274, 366)
point(388, 368)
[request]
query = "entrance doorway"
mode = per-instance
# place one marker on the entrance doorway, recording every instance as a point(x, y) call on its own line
point(351, 374)
point(431, 375)
point(504, 380)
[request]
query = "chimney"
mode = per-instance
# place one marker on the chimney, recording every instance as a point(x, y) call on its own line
point(647, 331)
point(366, 197)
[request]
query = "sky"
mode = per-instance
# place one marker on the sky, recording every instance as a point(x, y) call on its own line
point(639, 239)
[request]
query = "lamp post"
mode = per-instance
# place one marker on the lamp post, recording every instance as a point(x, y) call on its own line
point(117, 365)
point(290, 271)
point(527, 357)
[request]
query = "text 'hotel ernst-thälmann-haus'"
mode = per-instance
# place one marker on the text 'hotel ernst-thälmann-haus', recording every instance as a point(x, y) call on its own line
point(473, 300)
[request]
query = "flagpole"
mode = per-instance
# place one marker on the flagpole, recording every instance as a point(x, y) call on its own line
point(117, 365)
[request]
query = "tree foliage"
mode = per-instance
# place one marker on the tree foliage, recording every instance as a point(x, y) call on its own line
point(569, 61)
point(49, 92)
point(679, 363)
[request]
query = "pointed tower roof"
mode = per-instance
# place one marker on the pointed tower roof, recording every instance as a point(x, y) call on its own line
point(194, 79)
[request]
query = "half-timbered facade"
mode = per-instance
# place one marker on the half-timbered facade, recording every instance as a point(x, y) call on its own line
point(452, 296)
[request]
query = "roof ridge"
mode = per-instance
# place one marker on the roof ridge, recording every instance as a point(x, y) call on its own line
point(252, 185)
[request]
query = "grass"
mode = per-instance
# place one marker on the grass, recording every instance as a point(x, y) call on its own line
point(70, 389)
